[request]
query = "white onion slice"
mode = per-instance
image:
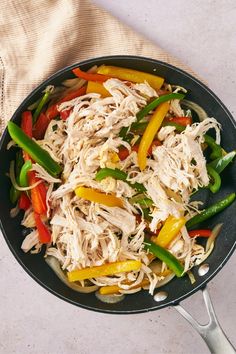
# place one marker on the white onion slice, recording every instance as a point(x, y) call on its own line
point(196, 108)
point(13, 179)
point(109, 299)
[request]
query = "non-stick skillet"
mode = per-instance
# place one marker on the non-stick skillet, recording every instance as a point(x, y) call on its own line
point(177, 289)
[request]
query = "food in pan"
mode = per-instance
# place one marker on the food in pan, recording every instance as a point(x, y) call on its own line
point(107, 172)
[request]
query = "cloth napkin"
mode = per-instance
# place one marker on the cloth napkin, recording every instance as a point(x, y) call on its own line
point(37, 38)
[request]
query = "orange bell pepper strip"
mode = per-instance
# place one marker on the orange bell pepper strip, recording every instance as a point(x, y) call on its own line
point(98, 197)
point(131, 75)
point(44, 233)
point(150, 132)
point(124, 153)
point(89, 76)
point(52, 110)
point(184, 121)
point(103, 270)
point(97, 87)
point(169, 231)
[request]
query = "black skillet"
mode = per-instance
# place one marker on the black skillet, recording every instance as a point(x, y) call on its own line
point(177, 289)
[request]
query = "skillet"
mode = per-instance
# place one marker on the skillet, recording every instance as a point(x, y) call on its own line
point(177, 289)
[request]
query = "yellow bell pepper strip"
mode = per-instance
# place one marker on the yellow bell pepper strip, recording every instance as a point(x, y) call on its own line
point(131, 75)
point(169, 231)
point(98, 197)
point(97, 87)
point(150, 132)
point(105, 269)
point(165, 256)
point(114, 289)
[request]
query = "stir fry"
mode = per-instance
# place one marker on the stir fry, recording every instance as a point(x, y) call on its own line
point(107, 167)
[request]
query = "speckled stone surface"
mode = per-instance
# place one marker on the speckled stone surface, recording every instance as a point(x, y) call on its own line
point(33, 321)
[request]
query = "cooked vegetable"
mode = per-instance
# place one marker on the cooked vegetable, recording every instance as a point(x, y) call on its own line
point(44, 233)
point(23, 178)
point(98, 197)
point(114, 289)
point(14, 195)
point(166, 257)
point(179, 128)
point(37, 194)
point(184, 121)
point(120, 175)
point(40, 127)
point(97, 87)
point(156, 102)
point(38, 154)
point(215, 185)
point(221, 163)
point(89, 76)
point(200, 233)
point(211, 211)
point(124, 153)
point(150, 132)
point(131, 75)
point(105, 269)
point(42, 103)
point(24, 202)
point(169, 230)
point(217, 151)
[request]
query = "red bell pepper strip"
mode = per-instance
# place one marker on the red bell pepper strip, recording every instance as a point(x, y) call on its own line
point(65, 114)
point(184, 121)
point(44, 233)
point(40, 126)
point(27, 123)
point(89, 76)
point(124, 153)
point(38, 194)
point(200, 233)
point(52, 111)
point(24, 202)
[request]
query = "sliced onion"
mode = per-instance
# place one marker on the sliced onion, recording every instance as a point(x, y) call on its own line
point(14, 211)
point(13, 179)
point(110, 299)
point(191, 277)
point(156, 266)
point(214, 234)
point(196, 108)
point(55, 266)
point(10, 144)
point(73, 82)
point(162, 282)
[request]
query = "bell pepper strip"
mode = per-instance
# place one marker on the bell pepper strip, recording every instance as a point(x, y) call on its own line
point(114, 289)
point(169, 231)
point(179, 128)
point(40, 126)
point(103, 270)
point(35, 151)
point(120, 175)
point(184, 121)
point(222, 162)
point(150, 132)
point(23, 177)
point(138, 127)
point(97, 87)
point(165, 256)
point(98, 197)
point(215, 180)
point(44, 233)
point(41, 105)
point(217, 150)
point(52, 110)
point(131, 75)
point(27, 123)
point(156, 102)
point(211, 211)
point(65, 114)
point(124, 153)
point(24, 202)
point(200, 233)
point(142, 200)
point(14, 195)
point(89, 76)
point(38, 194)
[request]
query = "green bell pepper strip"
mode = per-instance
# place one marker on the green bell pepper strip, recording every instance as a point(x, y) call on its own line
point(35, 151)
point(215, 185)
point(211, 211)
point(142, 200)
point(23, 178)
point(14, 195)
point(41, 104)
point(165, 256)
point(222, 162)
point(120, 175)
point(179, 128)
point(156, 102)
point(217, 151)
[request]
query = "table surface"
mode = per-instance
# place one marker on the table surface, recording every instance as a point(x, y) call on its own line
point(203, 35)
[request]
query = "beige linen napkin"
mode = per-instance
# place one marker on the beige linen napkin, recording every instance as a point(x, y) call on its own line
point(40, 37)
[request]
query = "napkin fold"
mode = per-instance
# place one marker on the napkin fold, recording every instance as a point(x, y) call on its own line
point(37, 38)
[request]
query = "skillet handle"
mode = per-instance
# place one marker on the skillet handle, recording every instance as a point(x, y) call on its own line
point(211, 333)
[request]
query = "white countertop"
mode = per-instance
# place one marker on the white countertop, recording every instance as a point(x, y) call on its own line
point(203, 35)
